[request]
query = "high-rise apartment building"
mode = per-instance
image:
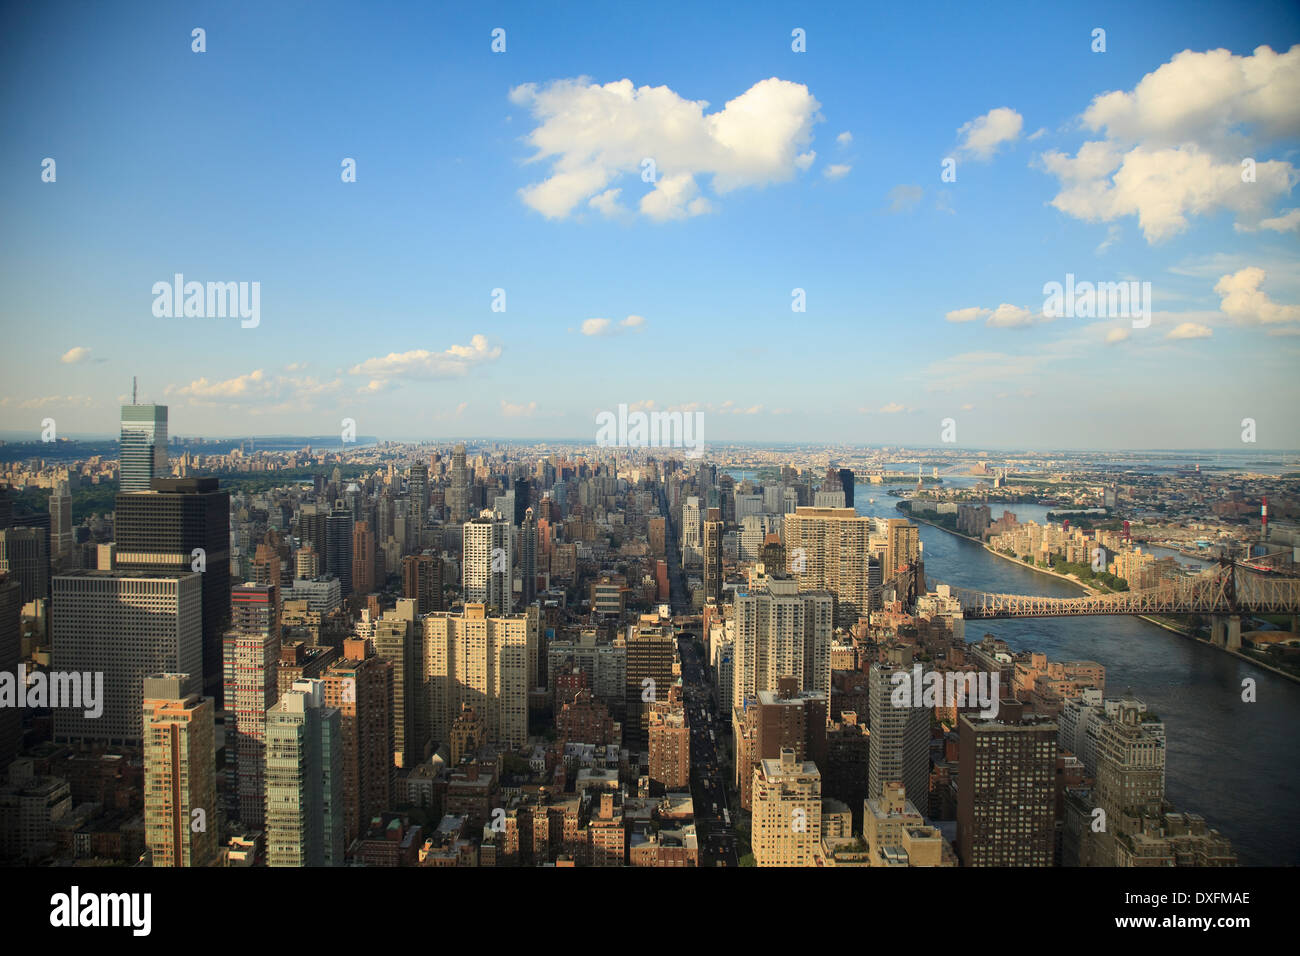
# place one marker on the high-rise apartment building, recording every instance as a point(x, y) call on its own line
point(418, 489)
point(338, 547)
point(651, 652)
point(528, 558)
point(304, 779)
point(182, 525)
point(786, 826)
point(712, 545)
point(360, 686)
point(181, 819)
point(125, 626)
point(1006, 788)
point(782, 632)
point(251, 659)
point(397, 641)
point(828, 549)
point(143, 446)
point(902, 547)
point(486, 661)
point(486, 562)
point(363, 558)
point(692, 532)
point(422, 581)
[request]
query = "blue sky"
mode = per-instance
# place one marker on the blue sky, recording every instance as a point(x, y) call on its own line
point(923, 297)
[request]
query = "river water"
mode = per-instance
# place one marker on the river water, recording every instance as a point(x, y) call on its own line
point(1234, 763)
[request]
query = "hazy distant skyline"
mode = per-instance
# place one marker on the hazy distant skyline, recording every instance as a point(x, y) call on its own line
point(820, 171)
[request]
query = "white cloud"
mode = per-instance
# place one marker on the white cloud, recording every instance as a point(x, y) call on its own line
point(837, 171)
point(593, 327)
point(982, 136)
point(967, 315)
point(1116, 335)
point(892, 408)
point(844, 139)
point(1175, 144)
point(1284, 223)
point(1242, 299)
point(421, 364)
point(1190, 330)
point(518, 411)
point(74, 355)
point(594, 134)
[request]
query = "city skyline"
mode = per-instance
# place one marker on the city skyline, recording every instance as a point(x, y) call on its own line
point(478, 171)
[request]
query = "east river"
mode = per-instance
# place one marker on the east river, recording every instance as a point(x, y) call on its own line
point(1235, 763)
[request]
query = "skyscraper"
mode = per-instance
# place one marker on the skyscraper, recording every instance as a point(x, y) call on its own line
point(125, 626)
point(338, 546)
point(11, 609)
point(143, 446)
point(183, 524)
point(781, 632)
point(418, 490)
point(828, 549)
point(363, 558)
point(1006, 788)
point(398, 642)
point(60, 520)
point(899, 748)
point(180, 787)
point(422, 580)
point(649, 676)
point(251, 657)
point(903, 545)
point(304, 779)
point(486, 562)
point(458, 493)
point(528, 557)
point(24, 559)
point(713, 528)
point(786, 827)
point(484, 660)
point(360, 686)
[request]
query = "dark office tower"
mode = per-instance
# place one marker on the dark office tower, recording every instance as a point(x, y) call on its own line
point(144, 446)
point(6, 508)
point(24, 559)
point(338, 547)
point(363, 558)
point(422, 581)
point(713, 556)
point(522, 500)
point(159, 530)
point(899, 746)
point(60, 520)
point(528, 556)
point(1006, 788)
point(458, 493)
point(11, 609)
point(251, 656)
point(311, 528)
point(846, 482)
point(774, 556)
point(418, 488)
point(650, 654)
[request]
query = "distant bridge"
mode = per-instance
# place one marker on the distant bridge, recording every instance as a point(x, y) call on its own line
point(1218, 591)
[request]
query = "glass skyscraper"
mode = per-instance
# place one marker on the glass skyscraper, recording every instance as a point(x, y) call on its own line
point(144, 446)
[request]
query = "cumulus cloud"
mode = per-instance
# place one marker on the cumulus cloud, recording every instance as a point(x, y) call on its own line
point(1241, 298)
point(837, 171)
point(421, 364)
point(1284, 223)
point(593, 327)
point(1189, 330)
point(1116, 335)
point(1174, 145)
point(844, 139)
point(1005, 316)
point(74, 355)
point(518, 411)
point(981, 137)
point(594, 134)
